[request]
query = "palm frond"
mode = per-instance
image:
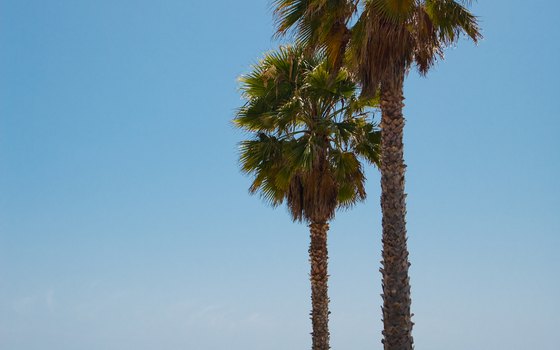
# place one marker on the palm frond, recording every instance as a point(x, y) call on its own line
point(450, 19)
point(396, 11)
point(318, 25)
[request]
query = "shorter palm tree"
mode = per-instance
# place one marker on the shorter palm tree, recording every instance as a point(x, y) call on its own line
point(310, 133)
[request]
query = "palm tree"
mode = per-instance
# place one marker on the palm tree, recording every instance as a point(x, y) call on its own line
point(310, 133)
point(380, 41)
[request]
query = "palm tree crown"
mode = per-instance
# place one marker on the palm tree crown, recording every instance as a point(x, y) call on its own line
point(310, 133)
point(377, 36)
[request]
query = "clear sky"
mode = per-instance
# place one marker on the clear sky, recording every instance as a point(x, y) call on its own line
point(126, 225)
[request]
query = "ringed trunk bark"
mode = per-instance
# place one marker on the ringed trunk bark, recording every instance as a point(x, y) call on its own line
point(397, 323)
point(318, 257)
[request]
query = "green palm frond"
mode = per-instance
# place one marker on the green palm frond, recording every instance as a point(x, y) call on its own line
point(368, 143)
point(266, 158)
point(289, 12)
point(348, 172)
point(450, 19)
point(393, 10)
point(317, 25)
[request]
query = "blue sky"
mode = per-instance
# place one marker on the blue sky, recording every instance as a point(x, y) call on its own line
point(125, 223)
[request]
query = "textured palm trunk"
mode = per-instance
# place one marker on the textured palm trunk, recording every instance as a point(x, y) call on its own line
point(318, 257)
point(397, 323)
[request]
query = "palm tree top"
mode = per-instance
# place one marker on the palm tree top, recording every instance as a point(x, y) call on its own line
point(310, 133)
point(378, 36)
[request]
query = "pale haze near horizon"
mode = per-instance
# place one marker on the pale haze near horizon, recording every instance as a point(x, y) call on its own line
point(126, 224)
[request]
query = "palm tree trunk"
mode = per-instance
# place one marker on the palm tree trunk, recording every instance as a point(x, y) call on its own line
point(397, 323)
point(318, 257)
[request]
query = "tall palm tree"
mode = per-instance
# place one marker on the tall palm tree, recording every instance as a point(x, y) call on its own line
point(380, 41)
point(310, 133)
